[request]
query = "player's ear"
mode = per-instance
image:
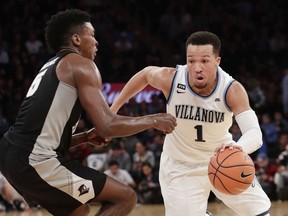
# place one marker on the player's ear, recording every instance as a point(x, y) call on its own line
point(218, 60)
point(76, 39)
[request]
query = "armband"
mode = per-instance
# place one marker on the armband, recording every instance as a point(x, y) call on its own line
point(251, 138)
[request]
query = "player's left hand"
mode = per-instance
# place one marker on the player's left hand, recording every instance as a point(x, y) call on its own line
point(224, 146)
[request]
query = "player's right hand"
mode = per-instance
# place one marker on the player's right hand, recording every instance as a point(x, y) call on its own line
point(224, 146)
point(164, 122)
point(94, 139)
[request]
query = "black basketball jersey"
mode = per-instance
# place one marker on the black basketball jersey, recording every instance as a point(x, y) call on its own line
point(48, 115)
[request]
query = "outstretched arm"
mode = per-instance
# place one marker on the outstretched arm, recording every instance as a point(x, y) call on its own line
point(158, 77)
point(106, 123)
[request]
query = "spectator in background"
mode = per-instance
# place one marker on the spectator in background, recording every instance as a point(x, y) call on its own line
point(141, 155)
point(123, 43)
point(148, 189)
point(154, 106)
point(96, 160)
point(280, 122)
point(281, 177)
point(119, 174)
point(129, 146)
point(157, 148)
point(119, 154)
point(33, 44)
point(285, 91)
point(283, 140)
point(270, 135)
point(265, 171)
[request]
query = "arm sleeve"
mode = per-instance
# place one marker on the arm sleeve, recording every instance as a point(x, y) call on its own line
point(251, 138)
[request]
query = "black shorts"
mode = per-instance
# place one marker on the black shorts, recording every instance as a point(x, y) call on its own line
point(56, 184)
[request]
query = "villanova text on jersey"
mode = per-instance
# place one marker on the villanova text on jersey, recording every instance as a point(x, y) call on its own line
point(185, 111)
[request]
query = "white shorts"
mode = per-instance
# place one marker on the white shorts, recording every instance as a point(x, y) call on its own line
point(186, 187)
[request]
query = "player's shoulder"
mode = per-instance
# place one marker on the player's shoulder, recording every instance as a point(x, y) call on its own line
point(159, 69)
point(79, 64)
point(77, 60)
point(237, 86)
point(236, 94)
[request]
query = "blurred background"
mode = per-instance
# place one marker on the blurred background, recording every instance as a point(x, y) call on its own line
point(133, 34)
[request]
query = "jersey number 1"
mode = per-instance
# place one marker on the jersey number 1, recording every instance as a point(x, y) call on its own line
point(199, 129)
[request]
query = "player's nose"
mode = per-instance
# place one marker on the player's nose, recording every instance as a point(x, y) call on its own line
point(197, 67)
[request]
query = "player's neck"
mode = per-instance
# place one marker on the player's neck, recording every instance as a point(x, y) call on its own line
point(69, 48)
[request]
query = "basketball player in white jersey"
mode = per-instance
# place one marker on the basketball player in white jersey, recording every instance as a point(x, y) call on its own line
point(203, 98)
point(32, 151)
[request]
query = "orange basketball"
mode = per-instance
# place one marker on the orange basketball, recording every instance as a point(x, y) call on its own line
point(231, 171)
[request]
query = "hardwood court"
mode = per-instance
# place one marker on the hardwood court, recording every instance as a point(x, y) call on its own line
point(217, 208)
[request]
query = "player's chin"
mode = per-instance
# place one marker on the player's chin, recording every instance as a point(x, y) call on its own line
point(91, 55)
point(200, 84)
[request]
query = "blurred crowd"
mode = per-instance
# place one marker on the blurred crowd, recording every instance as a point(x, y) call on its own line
point(133, 34)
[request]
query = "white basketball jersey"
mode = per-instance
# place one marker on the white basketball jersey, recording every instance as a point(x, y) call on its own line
point(203, 122)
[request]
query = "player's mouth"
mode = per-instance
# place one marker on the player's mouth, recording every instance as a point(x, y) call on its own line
point(199, 78)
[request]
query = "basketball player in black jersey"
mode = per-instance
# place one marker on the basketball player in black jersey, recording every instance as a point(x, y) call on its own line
point(31, 152)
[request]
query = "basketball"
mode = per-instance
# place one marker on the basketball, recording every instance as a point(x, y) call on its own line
point(231, 171)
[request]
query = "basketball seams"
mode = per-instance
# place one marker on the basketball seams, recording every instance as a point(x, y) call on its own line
point(219, 180)
point(224, 159)
point(222, 180)
point(238, 165)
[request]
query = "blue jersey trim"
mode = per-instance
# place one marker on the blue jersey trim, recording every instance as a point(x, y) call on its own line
point(172, 85)
point(225, 94)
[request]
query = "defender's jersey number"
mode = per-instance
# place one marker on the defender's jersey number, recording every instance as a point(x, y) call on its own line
point(35, 84)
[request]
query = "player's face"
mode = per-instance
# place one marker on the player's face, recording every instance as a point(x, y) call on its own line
point(88, 46)
point(202, 65)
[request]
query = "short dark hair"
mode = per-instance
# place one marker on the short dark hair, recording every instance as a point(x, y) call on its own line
point(113, 163)
point(63, 25)
point(205, 38)
point(146, 163)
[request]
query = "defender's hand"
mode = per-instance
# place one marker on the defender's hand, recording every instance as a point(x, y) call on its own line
point(94, 139)
point(164, 122)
